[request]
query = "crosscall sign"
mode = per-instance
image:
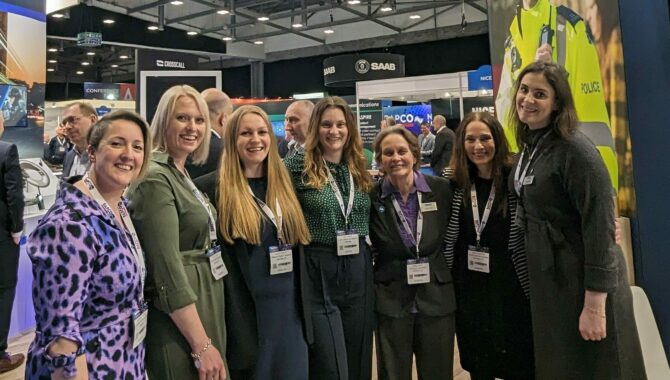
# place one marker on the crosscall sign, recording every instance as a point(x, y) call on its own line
point(346, 70)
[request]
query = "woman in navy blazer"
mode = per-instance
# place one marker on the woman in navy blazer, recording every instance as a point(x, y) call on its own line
point(415, 297)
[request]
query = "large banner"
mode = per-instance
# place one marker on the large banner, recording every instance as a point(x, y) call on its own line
point(585, 37)
point(23, 74)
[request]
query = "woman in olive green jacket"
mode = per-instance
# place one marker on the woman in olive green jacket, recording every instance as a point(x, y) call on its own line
point(186, 335)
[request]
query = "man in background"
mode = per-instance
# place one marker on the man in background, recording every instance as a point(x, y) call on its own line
point(296, 123)
point(220, 108)
point(77, 120)
point(57, 147)
point(426, 142)
point(444, 142)
point(11, 228)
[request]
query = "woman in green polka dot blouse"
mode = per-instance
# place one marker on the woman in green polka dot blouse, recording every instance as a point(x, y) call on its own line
point(332, 185)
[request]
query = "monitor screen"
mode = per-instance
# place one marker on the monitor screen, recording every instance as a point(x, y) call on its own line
point(14, 105)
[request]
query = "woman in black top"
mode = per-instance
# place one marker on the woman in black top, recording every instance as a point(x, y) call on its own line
point(482, 245)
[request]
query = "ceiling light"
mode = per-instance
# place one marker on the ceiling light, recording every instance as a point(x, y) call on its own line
point(386, 9)
point(50, 69)
point(53, 61)
point(222, 12)
point(258, 42)
point(176, 2)
point(85, 63)
point(263, 18)
point(115, 65)
point(192, 33)
point(447, 95)
point(297, 25)
point(57, 15)
point(226, 38)
point(329, 31)
point(415, 17)
point(53, 50)
point(353, 2)
point(90, 53)
point(152, 27)
point(80, 72)
point(108, 21)
point(123, 56)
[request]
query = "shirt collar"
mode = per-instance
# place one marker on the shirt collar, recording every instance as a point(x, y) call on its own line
point(441, 128)
point(420, 184)
point(215, 133)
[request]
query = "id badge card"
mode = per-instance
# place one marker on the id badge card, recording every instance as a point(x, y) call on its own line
point(61, 149)
point(528, 180)
point(281, 259)
point(347, 243)
point(216, 264)
point(140, 325)
point(478, 259)
point(418, 271)
point(429, 206)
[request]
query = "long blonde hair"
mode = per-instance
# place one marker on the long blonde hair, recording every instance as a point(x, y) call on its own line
point(239, 214)
point(315, 169)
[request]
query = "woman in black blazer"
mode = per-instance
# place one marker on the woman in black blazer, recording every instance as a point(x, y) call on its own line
point(415, 297)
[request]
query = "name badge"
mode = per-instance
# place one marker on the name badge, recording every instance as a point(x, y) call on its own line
point(61, 149)
point(281, 259)
point(140, 326)
point(430, 206)
point(347, 243)
point(216, 264)
point(478, 259)
point(528, 180)
point(418, 271)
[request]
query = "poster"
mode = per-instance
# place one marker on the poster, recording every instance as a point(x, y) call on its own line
point(592, 49)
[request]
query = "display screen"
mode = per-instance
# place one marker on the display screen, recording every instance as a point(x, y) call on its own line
point(14, 105)
point(410, 116)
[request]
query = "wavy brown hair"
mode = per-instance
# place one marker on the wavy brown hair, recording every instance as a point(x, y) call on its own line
point(315, 169)
point(465, 170)
point(564, 119)
point(239, 214)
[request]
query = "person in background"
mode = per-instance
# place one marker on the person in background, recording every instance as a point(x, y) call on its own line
point(77, 120)
point(88, 266)
point(220, 108)
point(493, 323)
point(57, 147)
point(578, 285)
point(296, 123)
point(11, 228)
point(262, 225)
point(426, 143)
point(332, 185)
point(414, 291)
point(283, 144)
point(186, 335)
point(444, 142)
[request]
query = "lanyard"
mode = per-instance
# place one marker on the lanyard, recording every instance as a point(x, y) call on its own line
point(519, 176)
point(127, 225)
point(403, 219)
point(278, 221)
point(480, 224)
point(203, 202)
point(338, 195)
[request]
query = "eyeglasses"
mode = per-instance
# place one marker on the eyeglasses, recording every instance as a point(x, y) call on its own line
point(71, 120)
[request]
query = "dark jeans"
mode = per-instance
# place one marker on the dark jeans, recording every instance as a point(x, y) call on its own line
point(340, 296)
point(9, 265)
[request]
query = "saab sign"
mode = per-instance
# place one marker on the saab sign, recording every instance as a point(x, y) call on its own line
point(346, 70)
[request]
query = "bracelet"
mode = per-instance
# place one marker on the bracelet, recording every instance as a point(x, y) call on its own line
point(595, 312)
point(196, 357)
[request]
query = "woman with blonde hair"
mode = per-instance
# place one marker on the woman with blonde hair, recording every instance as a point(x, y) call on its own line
point(332, 185)
point(263, 228)
point(186, 334)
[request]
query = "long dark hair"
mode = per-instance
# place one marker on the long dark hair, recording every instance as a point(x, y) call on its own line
point(564, 119)
point(465, 170)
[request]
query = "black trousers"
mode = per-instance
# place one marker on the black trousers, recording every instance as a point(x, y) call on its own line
point(340, 294)
point(9, 265)
point(430, 339)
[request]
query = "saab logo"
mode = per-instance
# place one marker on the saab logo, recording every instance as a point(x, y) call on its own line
point(329, 70)
point(362, 66)
point(382, 66)
point(589, 88)
point(171, 64)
